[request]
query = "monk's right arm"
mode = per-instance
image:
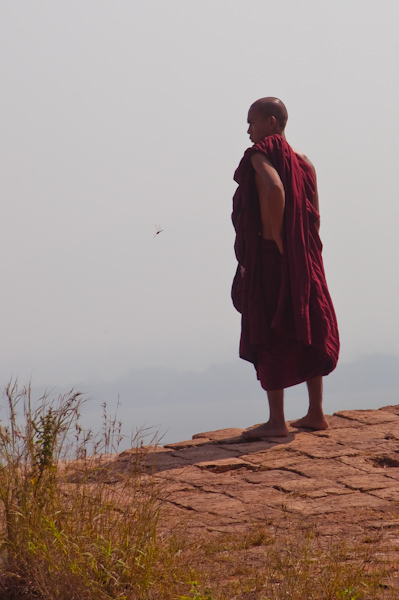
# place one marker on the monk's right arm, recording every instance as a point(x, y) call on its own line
point(271, 199)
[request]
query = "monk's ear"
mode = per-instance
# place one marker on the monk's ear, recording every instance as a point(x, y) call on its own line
point(273, 123)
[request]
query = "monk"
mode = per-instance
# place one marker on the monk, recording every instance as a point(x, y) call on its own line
point(288, 327)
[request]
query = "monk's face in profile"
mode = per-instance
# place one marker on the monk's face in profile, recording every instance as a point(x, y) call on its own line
point(259, 126)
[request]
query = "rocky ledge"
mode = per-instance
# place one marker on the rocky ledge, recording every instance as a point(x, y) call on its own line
point(344, 481)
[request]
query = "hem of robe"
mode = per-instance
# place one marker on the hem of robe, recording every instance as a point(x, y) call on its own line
point(303, 363)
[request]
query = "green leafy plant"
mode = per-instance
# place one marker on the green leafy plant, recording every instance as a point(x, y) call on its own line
point(197, 594)
point(349, 594)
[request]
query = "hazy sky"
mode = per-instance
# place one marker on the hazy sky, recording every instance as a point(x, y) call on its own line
point(117, 117)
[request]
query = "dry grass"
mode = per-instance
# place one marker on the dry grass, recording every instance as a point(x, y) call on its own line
point(78, 530)
point(270, 565)
point(67, 531)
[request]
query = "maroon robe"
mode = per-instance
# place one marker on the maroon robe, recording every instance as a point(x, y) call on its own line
point(289, 329)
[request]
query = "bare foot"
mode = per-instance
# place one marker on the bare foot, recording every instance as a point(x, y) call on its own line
point(314, 423)
point(266, 430)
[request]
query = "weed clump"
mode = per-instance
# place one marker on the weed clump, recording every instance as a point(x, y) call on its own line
point(66, 532)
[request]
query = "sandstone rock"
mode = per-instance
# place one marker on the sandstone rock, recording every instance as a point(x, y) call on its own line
point(366, 483)
point(219, 434)
point(317, 447)
point(202, 441)
point(197, 454)
point(226, 464)
point(370, 417)
point(341, 481)
point(248, 447)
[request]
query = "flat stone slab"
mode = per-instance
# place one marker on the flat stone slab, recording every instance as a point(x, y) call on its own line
point(219, 434)
point(390, 493)
point(196, 454)
point(317, 447)
point(276, 478)
point(366, 483)
point(336, 422)
point(334, 504)
point(348, 435)
point(273, 459)
point(304, 485)
point(344, 480)
point(369, 417)
point(385, 463)
point(394, 409)
point(245, 447)
point(202, 441)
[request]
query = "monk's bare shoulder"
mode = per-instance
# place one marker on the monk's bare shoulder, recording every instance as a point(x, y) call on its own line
point(315, 199)
point(306, 159)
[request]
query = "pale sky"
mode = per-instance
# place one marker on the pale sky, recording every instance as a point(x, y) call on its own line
point(117, 117)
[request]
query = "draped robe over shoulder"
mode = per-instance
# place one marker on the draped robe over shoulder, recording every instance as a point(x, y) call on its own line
point(296, 334)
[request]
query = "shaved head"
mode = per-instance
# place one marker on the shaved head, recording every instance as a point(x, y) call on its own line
point(271, 107)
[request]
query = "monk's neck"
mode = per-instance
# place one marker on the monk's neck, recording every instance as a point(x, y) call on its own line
point(282, 133)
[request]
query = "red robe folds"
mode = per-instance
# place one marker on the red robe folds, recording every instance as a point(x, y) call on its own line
point(289, 329)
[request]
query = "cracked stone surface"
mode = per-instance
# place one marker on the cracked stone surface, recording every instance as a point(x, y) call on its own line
point(344, 481)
